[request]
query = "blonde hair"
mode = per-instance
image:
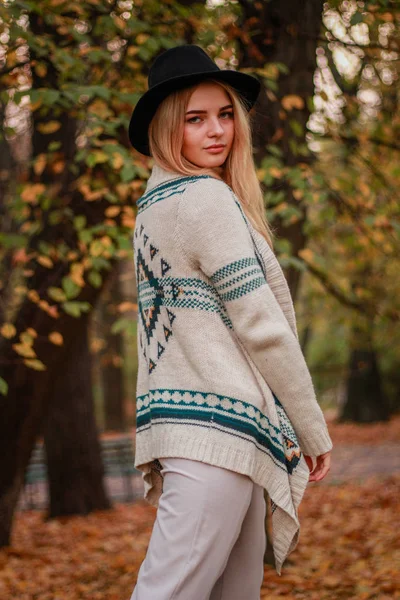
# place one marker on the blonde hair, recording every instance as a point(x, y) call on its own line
point(166, 133)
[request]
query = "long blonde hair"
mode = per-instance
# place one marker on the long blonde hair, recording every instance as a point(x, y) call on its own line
point(166, 140)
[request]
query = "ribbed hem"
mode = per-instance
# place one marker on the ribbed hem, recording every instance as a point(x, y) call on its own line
point(285, 491)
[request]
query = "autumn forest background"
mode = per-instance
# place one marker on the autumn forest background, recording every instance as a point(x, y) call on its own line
point(326, 140)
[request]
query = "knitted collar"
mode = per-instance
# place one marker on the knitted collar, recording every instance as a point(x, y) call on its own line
point(160, 175)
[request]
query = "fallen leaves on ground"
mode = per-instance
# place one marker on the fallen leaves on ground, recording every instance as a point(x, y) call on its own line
point(349, 548)
point(363, 433)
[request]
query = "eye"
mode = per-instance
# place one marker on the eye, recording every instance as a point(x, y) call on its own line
point(191, 120)
point(228, 113)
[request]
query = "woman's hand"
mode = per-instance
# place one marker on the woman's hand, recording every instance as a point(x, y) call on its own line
point(321, 468)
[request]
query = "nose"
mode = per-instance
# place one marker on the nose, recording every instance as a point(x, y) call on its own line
point(215, 127)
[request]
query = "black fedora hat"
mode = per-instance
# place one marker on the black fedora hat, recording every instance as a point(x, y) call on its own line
point(177, 68)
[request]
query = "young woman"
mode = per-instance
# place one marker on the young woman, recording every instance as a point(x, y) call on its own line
point(225, 402)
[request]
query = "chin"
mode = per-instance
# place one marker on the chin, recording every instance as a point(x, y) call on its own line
point(211, 163)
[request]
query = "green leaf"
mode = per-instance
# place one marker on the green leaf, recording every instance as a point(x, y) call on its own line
point(71, 289)
point(3, 387)
point(56, 294)
point(275, 150)
point(296, 127)
point(80, 222)
point(74, 309)
point(12, 240)
point(85, 235)
point(95, 279)
point(120, 324)
point(356, 18)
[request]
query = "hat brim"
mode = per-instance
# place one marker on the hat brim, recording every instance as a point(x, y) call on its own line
point(246, 85)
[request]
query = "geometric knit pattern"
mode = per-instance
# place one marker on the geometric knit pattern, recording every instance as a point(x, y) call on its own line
point(158, 293)
point(155, 324)
point(236, 417)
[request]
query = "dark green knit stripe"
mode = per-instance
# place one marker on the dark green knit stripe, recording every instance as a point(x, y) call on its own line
point(233, 268)
point(242, 290)
point(209, 400)
point(165, 190)
point(221, 286)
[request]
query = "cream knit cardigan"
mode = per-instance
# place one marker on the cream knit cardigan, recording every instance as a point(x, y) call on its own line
point(221, 375)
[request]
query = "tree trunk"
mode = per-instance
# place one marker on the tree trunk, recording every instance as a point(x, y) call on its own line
point(20, 418)
point(112, 360)
point(74, 464)
point(365, 401)
point(284, 32)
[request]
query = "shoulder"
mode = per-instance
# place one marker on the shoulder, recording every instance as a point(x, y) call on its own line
point(206, 183)
point(207, 197)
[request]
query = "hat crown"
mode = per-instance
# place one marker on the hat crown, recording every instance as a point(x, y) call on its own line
point(180, 61)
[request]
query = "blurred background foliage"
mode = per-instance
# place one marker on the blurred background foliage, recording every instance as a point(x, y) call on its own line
point(326, 147)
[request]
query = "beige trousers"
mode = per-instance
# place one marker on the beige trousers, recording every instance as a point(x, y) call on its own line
point(208, 539)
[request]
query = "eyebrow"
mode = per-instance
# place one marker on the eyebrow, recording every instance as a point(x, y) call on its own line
point(204, 111)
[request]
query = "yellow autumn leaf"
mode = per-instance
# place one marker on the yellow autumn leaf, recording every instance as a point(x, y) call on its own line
point(41, 69)
point(100, 156)
point(120, 23)
point(33, 295)
point(35, 364)
point(106, 241)
point(20, 289)
point(43, 304)
point(40, 164)
point(306, 254)
point(112, 211)
point(26, 338)
point(50, 127)
point(76, 274)
point(292, 101)
point(128, 210)
point(142, 38)
point(298, 194)
point(275, 172)
point(24, 350)
point(56, 338)
point(90, 194)
point(117, 160)
point(31, 192)
point(8, 330)
point(45, 261)
point(27, 226)
point(32, 332)
point(97, 344)
point(58, 166)
point(124, 306)
point(100, 108)
point(128, 222)
point(52, 311)
point(96, 248)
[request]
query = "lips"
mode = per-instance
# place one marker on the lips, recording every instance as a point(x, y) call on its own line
point(216, 147)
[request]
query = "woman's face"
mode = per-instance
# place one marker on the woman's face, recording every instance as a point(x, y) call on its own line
point(208, 122)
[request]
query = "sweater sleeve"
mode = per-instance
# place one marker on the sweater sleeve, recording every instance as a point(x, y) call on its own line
point(213, 235)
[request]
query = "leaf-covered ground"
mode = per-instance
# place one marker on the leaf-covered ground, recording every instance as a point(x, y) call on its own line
point(349, 548)
point(364, 433)
point(349, 544)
